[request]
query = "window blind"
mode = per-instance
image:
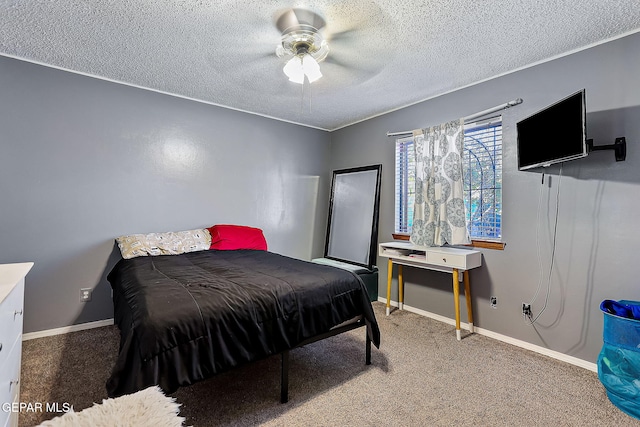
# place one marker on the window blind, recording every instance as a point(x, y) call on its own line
point(482, 168)
point(405, 184)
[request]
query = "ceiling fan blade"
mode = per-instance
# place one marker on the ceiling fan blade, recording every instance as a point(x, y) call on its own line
point(331, 59)
point(345, 35)
point(291, 18)
point(356, 58)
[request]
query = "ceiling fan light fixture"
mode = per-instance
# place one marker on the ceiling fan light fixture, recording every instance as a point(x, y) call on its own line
point(305, 47)
point(300, 66)
point(294, 70)
point(311, 68)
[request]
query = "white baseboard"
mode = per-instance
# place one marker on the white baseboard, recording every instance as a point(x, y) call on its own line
point(504, 338)
point(66, 329)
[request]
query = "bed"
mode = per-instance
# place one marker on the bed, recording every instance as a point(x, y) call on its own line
point(184, 318)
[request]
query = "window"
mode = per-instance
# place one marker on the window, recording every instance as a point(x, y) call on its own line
point(482, 168)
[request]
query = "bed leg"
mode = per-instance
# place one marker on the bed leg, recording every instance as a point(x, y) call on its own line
point(284, 377)
point(368, 349)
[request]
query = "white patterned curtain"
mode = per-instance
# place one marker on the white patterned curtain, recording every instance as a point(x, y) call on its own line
point(439, 212)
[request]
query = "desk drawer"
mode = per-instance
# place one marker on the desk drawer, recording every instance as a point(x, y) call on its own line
point(446, 259)
point(11, 320)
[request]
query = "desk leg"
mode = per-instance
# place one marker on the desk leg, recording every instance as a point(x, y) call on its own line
point(400, 288)
point(456, 301)
point(389, 277)
point(467, 294)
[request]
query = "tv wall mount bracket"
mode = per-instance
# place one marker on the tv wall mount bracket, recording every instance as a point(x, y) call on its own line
point(619, 147)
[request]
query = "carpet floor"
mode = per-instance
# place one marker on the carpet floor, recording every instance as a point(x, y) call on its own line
point(421, 376)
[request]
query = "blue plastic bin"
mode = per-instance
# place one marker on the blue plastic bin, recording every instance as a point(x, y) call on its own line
point(619, 360)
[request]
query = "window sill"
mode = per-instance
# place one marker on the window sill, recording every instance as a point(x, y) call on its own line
point(486, 244)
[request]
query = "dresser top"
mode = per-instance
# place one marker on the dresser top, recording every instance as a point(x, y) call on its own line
point(10, 274)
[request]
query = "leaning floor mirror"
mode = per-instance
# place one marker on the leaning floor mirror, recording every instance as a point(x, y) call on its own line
point(352, 228)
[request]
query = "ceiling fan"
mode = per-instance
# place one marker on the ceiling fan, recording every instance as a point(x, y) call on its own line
point(346, 45)
point(302, 44)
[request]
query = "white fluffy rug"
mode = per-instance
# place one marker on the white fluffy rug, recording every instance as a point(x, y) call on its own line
point(146, 408)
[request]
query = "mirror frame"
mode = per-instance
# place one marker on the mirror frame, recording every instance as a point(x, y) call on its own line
point(374, 220)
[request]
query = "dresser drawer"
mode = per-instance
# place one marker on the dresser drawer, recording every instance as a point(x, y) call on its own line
point(9, 382)
point(4, 419)
point(11, 319)
point(446, 259)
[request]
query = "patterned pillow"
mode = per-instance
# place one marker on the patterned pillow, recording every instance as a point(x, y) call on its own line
point(170, 243)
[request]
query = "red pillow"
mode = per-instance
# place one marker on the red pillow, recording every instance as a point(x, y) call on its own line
point(232, 237)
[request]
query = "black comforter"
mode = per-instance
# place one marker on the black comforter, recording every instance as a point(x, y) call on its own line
point(183, 318)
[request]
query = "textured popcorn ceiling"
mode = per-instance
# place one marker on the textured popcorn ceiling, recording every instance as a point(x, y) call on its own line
point(384, 54)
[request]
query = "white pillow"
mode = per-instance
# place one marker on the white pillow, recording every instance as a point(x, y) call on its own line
point(169, 243)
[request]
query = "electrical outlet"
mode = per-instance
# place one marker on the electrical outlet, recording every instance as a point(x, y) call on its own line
point(494, 302)
point(526, 309)
point(85, 294)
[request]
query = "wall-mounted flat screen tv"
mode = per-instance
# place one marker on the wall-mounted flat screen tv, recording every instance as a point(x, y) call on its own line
point(554, 134)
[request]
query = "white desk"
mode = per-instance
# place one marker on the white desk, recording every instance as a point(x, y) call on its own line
point(448, 260)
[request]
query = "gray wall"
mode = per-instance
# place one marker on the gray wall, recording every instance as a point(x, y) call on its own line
point(83, 161)
point(597, 233)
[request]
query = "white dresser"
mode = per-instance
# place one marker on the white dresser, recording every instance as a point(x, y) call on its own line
point(11, 314)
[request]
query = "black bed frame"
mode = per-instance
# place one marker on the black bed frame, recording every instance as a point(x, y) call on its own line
point(284, 372)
